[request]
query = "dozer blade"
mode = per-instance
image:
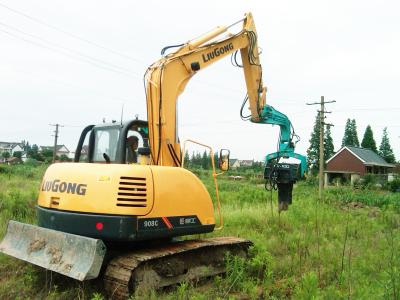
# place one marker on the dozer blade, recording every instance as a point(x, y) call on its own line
point(72, 255)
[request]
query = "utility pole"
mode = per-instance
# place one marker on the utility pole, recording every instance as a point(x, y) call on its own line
point(55, 140)
point(322, 124)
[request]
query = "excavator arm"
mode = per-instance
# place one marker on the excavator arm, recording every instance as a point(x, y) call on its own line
point(286, 144)
point(167, 78)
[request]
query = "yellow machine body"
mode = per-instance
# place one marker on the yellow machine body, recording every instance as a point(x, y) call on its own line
point(178, 191)
point(162, 201)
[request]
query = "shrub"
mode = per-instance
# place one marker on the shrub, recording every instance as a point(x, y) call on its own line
point(394, 185)
point(311, 180)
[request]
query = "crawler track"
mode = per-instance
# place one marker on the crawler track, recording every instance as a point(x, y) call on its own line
point(158, 267)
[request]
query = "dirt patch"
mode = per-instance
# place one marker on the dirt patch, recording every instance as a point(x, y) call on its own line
point(374, 212)
point(36, 245)
point(56, 255)
point(67, 268)
point(356, 205)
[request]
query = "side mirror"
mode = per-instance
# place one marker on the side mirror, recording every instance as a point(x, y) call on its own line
point(223, 160)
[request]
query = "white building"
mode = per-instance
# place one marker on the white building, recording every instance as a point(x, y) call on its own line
point(10, 147)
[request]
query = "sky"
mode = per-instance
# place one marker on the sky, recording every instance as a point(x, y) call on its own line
point(75, 63)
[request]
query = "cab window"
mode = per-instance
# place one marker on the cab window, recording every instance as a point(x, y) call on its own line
point(106, 142)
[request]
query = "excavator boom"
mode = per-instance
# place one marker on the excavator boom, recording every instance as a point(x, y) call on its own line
point(167, 78)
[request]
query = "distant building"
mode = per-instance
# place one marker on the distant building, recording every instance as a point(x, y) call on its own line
point(354, 162)
point(83, 155)
point(234, 163)
point(11, 147)
point(10, 160)
point(61, 150)
point(246, 163)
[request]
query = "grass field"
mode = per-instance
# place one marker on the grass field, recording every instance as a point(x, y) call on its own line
point(346, 247)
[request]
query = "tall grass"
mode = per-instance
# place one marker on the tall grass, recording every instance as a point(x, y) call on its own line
point(353, 253)
point(19, 186)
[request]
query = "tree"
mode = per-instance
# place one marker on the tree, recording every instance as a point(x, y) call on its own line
point(350, 137)
point(193, 160)
point(5, 154)
point(187, 159)
point(354, 133)
point(368, 141)
point(17, 154)
point(385, 150)
point(215, 160)
point(329, 148)
point(347, 134)
point(33, 152)
point(25, 145)
point(47, 155)
point(205, 161)
point(196, 160)
point(313, 150)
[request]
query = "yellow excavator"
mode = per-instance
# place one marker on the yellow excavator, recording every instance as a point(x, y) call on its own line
point(116, 214)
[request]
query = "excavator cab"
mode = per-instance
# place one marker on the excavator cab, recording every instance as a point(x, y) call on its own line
point(114, 143)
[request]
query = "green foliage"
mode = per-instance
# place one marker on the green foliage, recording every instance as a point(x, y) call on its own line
point(97, 296)
point(32, 162)
point(33, 153)
point(17, 154)
point(308, 287)
point(368, 141)
point(368, 181)
point(182, 291)
point(329, 148)
point(5, 154)
point(350, 137)
point(385, 150)
point(187, 158)
point(313, 149)
point(64, 158)
point(354, 133)
point(311, 180)
point(47, 155)
point(205, 161)
point(394, 185)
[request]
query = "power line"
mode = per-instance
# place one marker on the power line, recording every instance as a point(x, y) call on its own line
point(369, 109)
point(69, 34)
point(68, 49)
point(71, 85)
point(66, 54)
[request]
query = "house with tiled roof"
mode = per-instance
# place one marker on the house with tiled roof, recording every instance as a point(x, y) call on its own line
point(60, 150)
point(354, 162)
point(246, 162)
point(234, 163)
point(11, 147)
